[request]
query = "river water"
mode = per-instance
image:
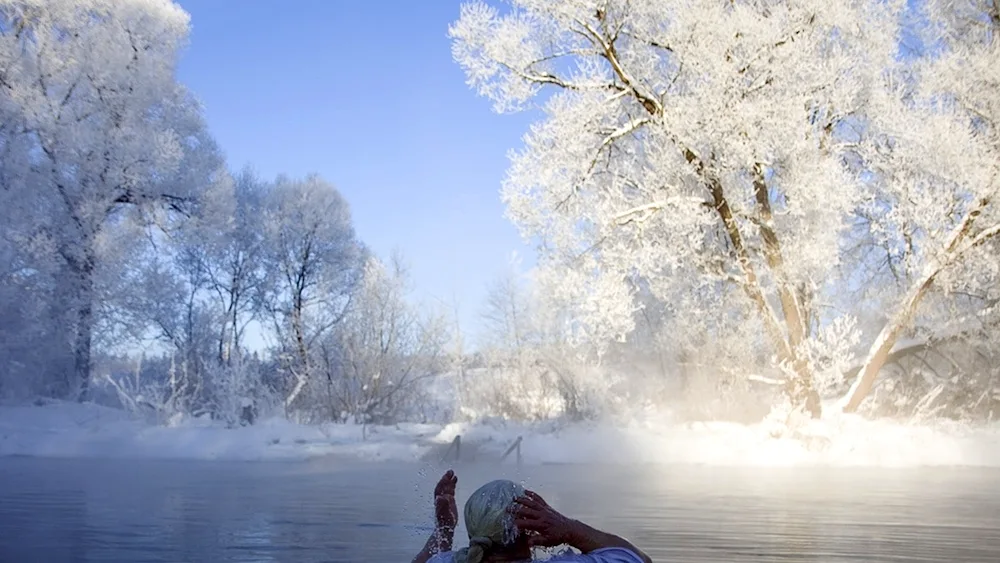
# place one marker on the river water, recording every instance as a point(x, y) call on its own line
point(54, 510)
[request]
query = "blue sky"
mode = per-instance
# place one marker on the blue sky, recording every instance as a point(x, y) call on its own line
point(366, 94)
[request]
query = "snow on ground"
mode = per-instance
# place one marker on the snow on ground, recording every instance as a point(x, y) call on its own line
point(61, 429)
point(87, 430)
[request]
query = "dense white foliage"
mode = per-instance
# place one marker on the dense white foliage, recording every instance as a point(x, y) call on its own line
point(722, 154)
point(95, 124)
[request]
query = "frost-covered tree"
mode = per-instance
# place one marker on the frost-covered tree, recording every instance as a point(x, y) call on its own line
point(507, 315)
point(97, 127)
point(200, 282)
point(166, 301)
point(235, 262)
point(512, 384)
point(531, 370)
point(690, 145)
point(384, 352)
point(727, 156)
point(32, 333)
point(936, 168)
point(315, 261)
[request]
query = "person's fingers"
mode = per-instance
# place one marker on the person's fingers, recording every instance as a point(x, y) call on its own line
point(536, 497)
point(529, 502)
point(530, 523)
point(523, 511)
point(528, 514)
point(541, 540)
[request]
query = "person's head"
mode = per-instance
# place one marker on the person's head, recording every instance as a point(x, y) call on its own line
point(490, 523)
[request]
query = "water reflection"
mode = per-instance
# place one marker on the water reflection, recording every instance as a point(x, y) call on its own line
point(77, 511)
point(59, 520)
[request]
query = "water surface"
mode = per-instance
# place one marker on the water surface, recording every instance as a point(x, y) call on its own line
point(55, 510)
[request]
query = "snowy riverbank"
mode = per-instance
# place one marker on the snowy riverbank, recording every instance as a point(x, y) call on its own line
point(74, 430)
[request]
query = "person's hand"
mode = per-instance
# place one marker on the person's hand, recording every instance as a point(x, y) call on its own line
point(544, 525)
point(445, 509)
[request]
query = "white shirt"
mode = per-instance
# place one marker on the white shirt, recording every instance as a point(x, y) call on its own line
point(605, 555)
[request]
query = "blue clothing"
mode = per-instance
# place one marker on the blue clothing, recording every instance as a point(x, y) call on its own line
point(605, 555)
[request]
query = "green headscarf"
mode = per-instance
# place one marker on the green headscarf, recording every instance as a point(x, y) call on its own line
point(488, 521)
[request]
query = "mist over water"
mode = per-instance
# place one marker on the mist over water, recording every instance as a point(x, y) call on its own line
point(337, 511)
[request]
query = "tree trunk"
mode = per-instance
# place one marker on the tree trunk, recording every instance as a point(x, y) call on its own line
point(234, 348)
point(803, 395)
point(799, 387)
point(84, 330)
point(303, 374)
point(881, 348)
point(300, 383)
point(791, 308)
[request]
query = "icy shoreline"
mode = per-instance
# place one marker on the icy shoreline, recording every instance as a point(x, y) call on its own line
point(60, 430)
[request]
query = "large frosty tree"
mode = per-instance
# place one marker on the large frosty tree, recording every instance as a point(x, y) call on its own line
point(936, 170)
point(315, 261)
point(717, 153)
point(97, 128)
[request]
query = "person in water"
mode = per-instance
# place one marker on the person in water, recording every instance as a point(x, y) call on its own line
point(505, 522)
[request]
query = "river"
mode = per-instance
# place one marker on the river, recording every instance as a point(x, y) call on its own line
point(60, 510)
